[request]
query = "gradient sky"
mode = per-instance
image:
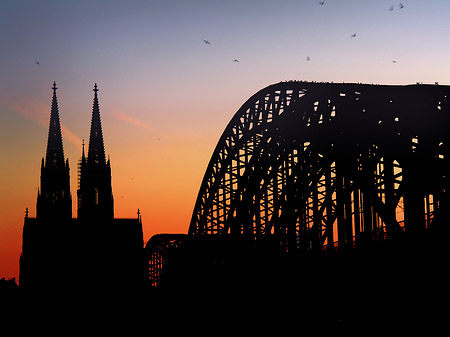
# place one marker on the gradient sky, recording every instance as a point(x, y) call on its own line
point(166, 96)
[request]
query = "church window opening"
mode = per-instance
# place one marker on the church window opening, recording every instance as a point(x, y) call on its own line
point(96, 195)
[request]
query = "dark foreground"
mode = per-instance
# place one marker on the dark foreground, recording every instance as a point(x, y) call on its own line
point(396, 290)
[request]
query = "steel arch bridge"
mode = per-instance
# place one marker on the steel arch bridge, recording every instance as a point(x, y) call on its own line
point(325, 166)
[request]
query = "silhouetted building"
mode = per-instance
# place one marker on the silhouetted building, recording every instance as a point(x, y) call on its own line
point(95, 199)
point(54, 200)
point(94, 251)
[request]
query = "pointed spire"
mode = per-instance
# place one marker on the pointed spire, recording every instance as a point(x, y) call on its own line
point(82, 154)
point(54, 200)
point(139, 216)
point(55, 150)
point(96, 152)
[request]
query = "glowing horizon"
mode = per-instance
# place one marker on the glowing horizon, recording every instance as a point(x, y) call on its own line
point(165, 96)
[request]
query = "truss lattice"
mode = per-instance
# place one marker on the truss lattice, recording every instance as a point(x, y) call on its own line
point(320, 166)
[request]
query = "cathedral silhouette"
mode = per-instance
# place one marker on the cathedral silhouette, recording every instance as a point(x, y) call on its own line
point(94, 251)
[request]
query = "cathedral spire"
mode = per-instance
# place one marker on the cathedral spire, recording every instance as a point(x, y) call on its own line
point(83, 157)
point(54, 200)
point(96, 150)
point(55, 150)
point(95, 199)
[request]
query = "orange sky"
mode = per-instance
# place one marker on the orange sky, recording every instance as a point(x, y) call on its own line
point(166, 97)
point(159, 173)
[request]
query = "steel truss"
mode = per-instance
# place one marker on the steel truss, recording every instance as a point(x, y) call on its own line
point(157, 251)
point(324, 166)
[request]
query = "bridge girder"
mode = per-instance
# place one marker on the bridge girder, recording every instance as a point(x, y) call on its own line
point(317, 166)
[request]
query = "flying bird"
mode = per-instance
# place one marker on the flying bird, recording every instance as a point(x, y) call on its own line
point(401, 5)
point(321, 3)
point(353, 35)
point(206, 42)
point(37, 62)
point(235, 60)
point(394, 61)
point(307, 58)
point(391, 8)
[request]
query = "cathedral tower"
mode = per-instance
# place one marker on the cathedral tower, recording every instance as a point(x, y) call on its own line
point(93, 252)
point(95, 199)
point(44, 236)
point(54, 201)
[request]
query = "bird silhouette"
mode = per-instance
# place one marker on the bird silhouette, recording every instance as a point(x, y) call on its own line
point(394, 61)
point(353, 35)
point(401, 5)
point(235, 60)
point(307, 58)
point(37, 62)
point(391, 8)
point(206, 42)
point(321, 3)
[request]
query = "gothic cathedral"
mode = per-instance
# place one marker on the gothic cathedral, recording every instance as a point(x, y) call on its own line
point(94, 251)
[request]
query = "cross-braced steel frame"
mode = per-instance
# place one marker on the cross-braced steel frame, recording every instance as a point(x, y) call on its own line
point(157, 251)
point(326, 166)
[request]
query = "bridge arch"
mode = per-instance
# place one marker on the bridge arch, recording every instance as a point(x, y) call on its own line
point(325, 166)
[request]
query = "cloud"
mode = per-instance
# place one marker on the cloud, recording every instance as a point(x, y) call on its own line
point(70, 136)
point(34, 110)
point(133, 121)
point(39, 112)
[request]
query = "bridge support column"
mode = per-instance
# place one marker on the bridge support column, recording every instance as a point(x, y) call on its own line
point(329, 207)
point(340, 214)
point(348, 213)
point(357, 214)
point(413, 198)
point(390, 200)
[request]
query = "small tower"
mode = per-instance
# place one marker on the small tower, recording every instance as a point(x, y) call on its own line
point(95, 199)
point(54, 201)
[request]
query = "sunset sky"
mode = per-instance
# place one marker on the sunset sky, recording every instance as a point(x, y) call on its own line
point(166, 96)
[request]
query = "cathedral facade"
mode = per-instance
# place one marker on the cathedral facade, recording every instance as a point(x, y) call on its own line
point(93, 251)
